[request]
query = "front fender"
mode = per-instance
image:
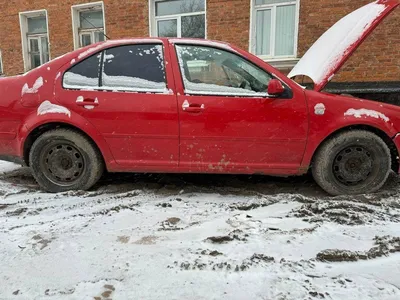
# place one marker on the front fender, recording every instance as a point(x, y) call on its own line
point(323, 126)
point(34, 120)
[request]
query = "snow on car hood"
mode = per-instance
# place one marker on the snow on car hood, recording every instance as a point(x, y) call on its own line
point(336, 45)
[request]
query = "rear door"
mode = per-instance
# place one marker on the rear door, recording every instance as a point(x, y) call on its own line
point(123, 92)
point(228, 122)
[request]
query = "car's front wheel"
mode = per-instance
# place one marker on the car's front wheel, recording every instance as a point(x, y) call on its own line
point(353, 162)
point(63, 160)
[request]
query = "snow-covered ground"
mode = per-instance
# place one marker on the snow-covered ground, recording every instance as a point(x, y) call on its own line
point(196, 237)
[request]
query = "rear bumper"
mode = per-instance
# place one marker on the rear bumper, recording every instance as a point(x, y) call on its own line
point(10, 151)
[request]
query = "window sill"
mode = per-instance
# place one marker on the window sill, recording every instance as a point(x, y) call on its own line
point(281, 63)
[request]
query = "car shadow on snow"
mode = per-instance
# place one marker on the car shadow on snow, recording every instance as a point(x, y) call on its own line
point(173, 184)
point(210, 183)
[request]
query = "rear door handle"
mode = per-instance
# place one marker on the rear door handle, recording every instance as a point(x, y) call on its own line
point(87, 102)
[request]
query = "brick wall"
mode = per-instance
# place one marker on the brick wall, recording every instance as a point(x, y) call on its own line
point(378, 59)
point(229, 20)
point(123, 19)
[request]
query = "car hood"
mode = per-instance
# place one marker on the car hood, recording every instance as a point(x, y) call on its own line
point(336, 45)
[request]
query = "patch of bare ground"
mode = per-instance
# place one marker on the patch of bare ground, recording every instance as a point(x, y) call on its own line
point(171, 224)
point(147, 240)
point(383, 247)
point(116, 209)
point(236, 234)
point(348, 212)
point(227, 265)
point(199, 264)
point(17, 212)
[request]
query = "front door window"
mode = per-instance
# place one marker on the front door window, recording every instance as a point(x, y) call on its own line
point(207, 70)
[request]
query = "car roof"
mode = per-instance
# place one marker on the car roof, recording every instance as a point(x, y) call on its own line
point(82, 53)
point(192, 41)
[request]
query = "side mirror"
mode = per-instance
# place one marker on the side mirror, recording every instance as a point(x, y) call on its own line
point(275, 87)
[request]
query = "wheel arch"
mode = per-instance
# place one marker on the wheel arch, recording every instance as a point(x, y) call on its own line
point(388, 141)
point(41, 129)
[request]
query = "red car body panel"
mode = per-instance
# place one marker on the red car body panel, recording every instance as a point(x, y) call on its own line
point(141, 129)
point(153, 132)
point(334, 119)
point(239, 134)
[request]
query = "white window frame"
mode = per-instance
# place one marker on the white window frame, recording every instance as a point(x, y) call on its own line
point(153, 19)
point(75, 10)
point(37, 37)
point(23, 21)
point(278, 61)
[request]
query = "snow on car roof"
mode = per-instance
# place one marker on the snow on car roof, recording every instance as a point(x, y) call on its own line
point(117, 42)
point(202, 42)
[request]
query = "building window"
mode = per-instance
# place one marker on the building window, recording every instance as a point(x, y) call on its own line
point(178, 18)
point(274, 28)
point(35, 38)
point(88, 24)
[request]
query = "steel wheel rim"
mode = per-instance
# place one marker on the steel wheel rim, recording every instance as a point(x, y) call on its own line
point(353, 165)
point(62, 163)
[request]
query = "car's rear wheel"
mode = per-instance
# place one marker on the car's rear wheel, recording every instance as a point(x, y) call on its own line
point(353, 162)
point(63, 160)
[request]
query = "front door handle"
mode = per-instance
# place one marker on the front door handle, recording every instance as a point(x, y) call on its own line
point(192, 108)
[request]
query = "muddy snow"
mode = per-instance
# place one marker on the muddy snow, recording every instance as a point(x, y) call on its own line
point(197, 237)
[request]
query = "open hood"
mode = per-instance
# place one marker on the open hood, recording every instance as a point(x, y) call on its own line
point(336, 45)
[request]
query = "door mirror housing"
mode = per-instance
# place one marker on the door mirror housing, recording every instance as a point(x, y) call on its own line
point(275, 88)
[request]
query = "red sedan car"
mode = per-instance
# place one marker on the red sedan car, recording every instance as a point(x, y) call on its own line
point(197, 106)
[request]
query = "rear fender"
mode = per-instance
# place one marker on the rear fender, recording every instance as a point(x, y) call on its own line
point(69, 118)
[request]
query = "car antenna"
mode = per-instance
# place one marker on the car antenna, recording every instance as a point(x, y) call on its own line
point(97, 29)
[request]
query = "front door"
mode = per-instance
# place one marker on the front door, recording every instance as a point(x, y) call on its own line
point(123, 92)
point(228, 123)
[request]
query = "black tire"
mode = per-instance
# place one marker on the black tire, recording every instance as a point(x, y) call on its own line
point(63, 160)
point(351, 163)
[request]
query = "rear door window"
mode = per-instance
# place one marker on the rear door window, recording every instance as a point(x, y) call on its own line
point(137, 68)
point(84, 74)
